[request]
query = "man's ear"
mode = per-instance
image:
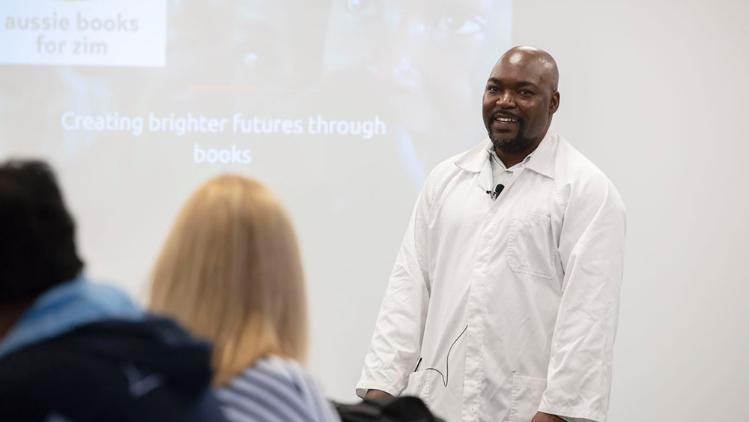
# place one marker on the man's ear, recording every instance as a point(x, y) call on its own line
point(554, 103)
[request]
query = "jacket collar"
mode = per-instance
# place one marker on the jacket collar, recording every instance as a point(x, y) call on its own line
point(542, 159)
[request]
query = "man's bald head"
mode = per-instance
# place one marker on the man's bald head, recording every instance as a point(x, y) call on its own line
point(519, 101)
point(538, 61)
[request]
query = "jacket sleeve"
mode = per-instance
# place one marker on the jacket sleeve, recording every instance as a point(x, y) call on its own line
point(591, 249)
point(396, 342)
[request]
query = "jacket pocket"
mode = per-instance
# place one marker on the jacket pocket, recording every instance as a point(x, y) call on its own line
point(530, 246)
point(526, 397)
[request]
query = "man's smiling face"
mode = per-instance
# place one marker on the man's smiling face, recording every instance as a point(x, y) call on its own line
point(519, 100)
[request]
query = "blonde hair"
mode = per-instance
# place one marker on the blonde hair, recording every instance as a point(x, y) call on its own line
point(230, 272)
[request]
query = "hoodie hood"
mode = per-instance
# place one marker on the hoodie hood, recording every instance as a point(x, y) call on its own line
point(105, 322)
point(66, 307)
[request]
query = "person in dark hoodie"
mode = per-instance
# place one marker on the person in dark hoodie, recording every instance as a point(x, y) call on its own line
point(74, 350)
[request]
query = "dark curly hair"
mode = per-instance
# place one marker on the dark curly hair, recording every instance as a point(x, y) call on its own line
point(37, 234)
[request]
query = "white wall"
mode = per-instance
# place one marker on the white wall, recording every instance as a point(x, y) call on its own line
point(655, 93)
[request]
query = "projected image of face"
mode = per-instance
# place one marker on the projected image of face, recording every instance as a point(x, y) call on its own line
point(244, 50)
point(419, 62)
point(403, 42)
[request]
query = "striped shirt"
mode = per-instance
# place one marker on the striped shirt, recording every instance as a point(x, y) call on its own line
point(274, 390)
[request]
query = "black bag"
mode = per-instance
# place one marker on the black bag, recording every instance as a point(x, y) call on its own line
point(398, 409)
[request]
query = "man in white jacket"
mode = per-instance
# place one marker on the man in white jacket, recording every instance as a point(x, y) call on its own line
point(503, 301)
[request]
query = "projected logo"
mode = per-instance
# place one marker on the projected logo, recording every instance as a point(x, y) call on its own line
point(93, 33)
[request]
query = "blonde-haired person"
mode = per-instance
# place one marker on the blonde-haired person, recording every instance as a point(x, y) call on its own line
point(230, 271)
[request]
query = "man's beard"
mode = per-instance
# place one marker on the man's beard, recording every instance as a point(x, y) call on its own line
point(511, 145)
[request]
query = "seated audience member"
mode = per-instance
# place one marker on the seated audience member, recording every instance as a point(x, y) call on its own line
point(230, 271)
point(73, 350)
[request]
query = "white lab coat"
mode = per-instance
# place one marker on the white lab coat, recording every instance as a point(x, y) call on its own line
point(498, 309)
